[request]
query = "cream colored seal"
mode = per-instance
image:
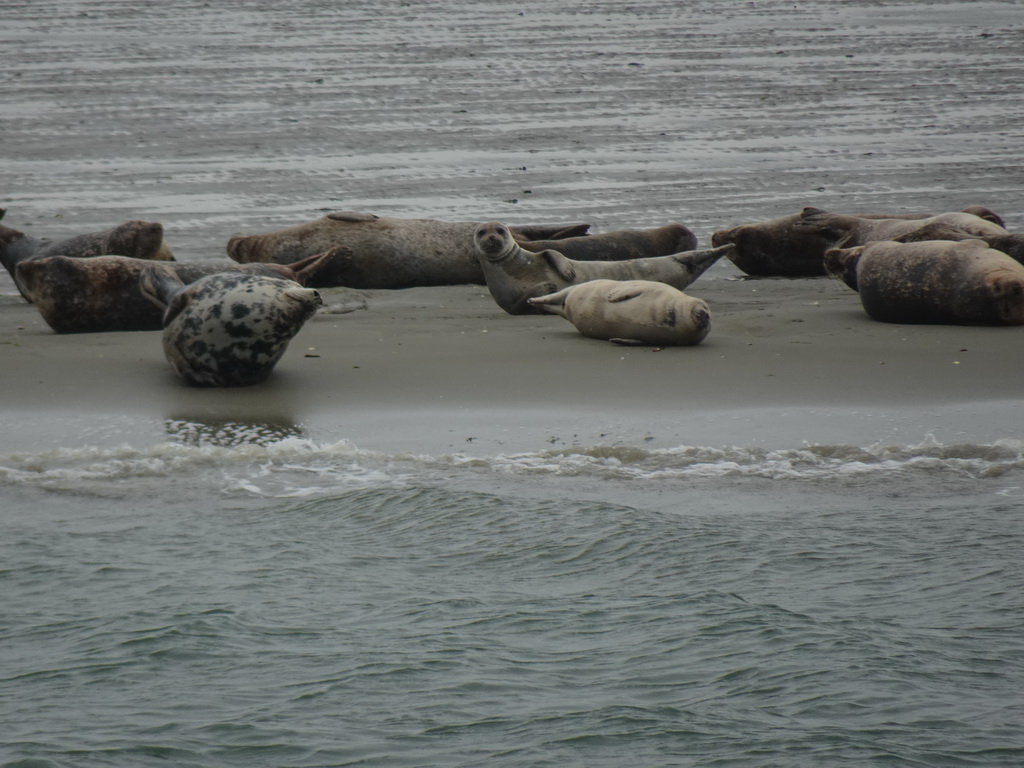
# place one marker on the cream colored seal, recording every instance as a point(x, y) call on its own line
point(634, 312)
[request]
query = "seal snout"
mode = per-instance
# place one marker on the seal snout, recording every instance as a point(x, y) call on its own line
point(493, 238)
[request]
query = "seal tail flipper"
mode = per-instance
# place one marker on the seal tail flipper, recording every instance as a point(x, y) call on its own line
point(160, 287)
point(528, 232)
point(699, 262)
point(551, 302)
point(308, 269)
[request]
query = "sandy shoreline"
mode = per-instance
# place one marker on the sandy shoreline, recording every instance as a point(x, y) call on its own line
point(444, 369)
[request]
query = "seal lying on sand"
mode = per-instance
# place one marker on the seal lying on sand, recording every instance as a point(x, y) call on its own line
point(103, 293)
point(935, 281)
point(515, 274)
point(228, 330)
point(134, 239)
point(1011, 244)
point(847, 231)
point(402, 253)
point(635, 312)
point(384, 252)
point(791, 246)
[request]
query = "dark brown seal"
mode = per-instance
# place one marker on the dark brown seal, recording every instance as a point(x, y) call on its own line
point(514, 274)
point(934, 281)
point(102, 293)
point(133, 239)
point(793, 246)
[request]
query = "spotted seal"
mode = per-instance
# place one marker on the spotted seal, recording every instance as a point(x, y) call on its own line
point(515, 274)
point(793, 245)
point(634, 312)
point(103, 294)
point(934, 281)
point(228, 329)
point(134, 239)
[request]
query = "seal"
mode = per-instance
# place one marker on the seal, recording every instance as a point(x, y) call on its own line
point(103, 293)
point(847, 231)
point(619, 244)
point(228, 329)
point(515, 274)
point(789, 246)
point(634, 312)
point(134, 239)
point(933, 281)
point(403, 253)
point(1011, 244)
point(384, 252)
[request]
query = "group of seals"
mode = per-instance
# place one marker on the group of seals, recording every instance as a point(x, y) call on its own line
point(228, 329)
point(514, 274)
point(228, 325)
point(134, 239)
point(794, 245)
point(103, 293)
point(386, 252)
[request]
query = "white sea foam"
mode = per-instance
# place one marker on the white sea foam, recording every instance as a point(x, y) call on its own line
point(243, 461)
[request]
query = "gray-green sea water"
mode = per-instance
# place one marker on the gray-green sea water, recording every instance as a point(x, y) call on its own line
point(235, 598)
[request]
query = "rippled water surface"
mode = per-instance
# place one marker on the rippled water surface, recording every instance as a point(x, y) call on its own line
point(280, 602)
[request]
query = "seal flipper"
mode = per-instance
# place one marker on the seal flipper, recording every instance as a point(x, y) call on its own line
point(629, 342)
point(352, 216)
point(551, 302)
point(163, 288)
point(307, 270)
point(561, 265)
point(529, 232)
point(621, 293)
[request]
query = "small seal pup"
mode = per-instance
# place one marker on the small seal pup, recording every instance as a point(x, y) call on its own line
point(228, 330)
point(633, 312)
point(384, 252)
point(102, 293)
point(790, 247)
point(515, 274)
point(134, 239)
point(934, 281)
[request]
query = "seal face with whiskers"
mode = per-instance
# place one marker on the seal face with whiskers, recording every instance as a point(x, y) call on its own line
point(228, 330)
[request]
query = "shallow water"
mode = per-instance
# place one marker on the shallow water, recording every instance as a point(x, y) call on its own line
point(231, 596)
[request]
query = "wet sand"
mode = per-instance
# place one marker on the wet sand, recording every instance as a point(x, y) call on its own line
point(241, 119)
